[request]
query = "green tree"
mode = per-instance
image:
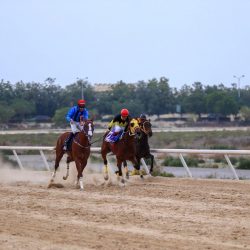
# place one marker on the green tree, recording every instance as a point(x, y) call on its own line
point(22, 108)
point(196, 102)
point(182, 98)
point(6, 91)
point(60, 117)
point(220, 103)
point(245, 113)
point(160, 97)
point(72, 94)
point(6, 113)
point(103, 102)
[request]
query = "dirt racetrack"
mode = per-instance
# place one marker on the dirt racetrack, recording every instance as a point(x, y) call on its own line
point(157, 213)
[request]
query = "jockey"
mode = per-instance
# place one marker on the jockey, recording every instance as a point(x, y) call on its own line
point(118, 125)
point(142, 118)
point(76, 115)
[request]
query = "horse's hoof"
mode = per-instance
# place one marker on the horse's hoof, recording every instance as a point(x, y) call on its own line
point(127, 176)
point(64, 177)
point(106, 177)
point(122, 181)
point(141, 176)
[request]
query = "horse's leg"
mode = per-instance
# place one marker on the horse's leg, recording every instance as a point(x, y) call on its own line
point(59, 155)
point(105, 162)
point(152, 163)
point(125, 165)
point(77, 182)
point(136, 163)
point(67, 173)
point(138, 159)
point(81, 183)
point(80, 167)
point(119, 172)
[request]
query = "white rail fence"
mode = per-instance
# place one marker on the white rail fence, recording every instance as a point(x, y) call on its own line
point(179, 152)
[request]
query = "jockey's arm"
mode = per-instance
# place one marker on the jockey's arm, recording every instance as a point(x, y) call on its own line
point(114, 121)
point(70, 115)
point(127, 123)
point(110, 124)
point(85, 115)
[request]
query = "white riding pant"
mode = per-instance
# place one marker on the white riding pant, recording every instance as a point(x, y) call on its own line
point(76, 127)
point(117, 129)
point(112, 136)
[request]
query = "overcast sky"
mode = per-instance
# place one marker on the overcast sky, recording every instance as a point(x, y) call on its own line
point(130, 40)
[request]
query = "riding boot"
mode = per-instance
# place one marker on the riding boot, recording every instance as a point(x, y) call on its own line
point(67, 142)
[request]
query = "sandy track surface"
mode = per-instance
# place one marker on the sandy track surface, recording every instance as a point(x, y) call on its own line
point(157, 213)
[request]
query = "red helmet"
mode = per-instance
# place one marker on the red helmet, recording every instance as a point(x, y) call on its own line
point(124, 112)
point(81, 103)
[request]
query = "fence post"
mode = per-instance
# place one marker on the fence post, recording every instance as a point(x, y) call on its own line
point(44, 160)
point(185, 165)
point(232, 167)
point(18, 160)
point(145, 166)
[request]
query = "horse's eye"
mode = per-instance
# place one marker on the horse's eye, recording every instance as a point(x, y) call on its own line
point(132, 124)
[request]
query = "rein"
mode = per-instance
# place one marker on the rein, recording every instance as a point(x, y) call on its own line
point(80, 145)
point(129, 133)
point(86, 135)
point(143, 128)
point(96, 141)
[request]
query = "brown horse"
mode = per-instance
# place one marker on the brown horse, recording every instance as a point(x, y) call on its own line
point(124, 149)
point(142, 146)
point(79, 152)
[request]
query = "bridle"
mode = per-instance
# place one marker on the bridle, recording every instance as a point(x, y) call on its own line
point(87, 129)
point(129, 132)
point(143, 128)
point(134, 133)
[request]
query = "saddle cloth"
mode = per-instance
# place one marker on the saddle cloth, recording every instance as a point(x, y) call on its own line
point(113, 137)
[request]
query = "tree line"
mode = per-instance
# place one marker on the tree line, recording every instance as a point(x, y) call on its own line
point(21, 101)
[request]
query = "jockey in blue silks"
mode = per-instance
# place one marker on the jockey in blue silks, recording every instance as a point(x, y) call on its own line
point(76, 115)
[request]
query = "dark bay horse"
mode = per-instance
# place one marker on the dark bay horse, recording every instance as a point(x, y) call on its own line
point(80, 150)
point(124, 149)
point(142, 145)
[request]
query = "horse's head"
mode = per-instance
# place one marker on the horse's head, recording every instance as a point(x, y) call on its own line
point(146, 127)
point(134, 128)
point(88, 128)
